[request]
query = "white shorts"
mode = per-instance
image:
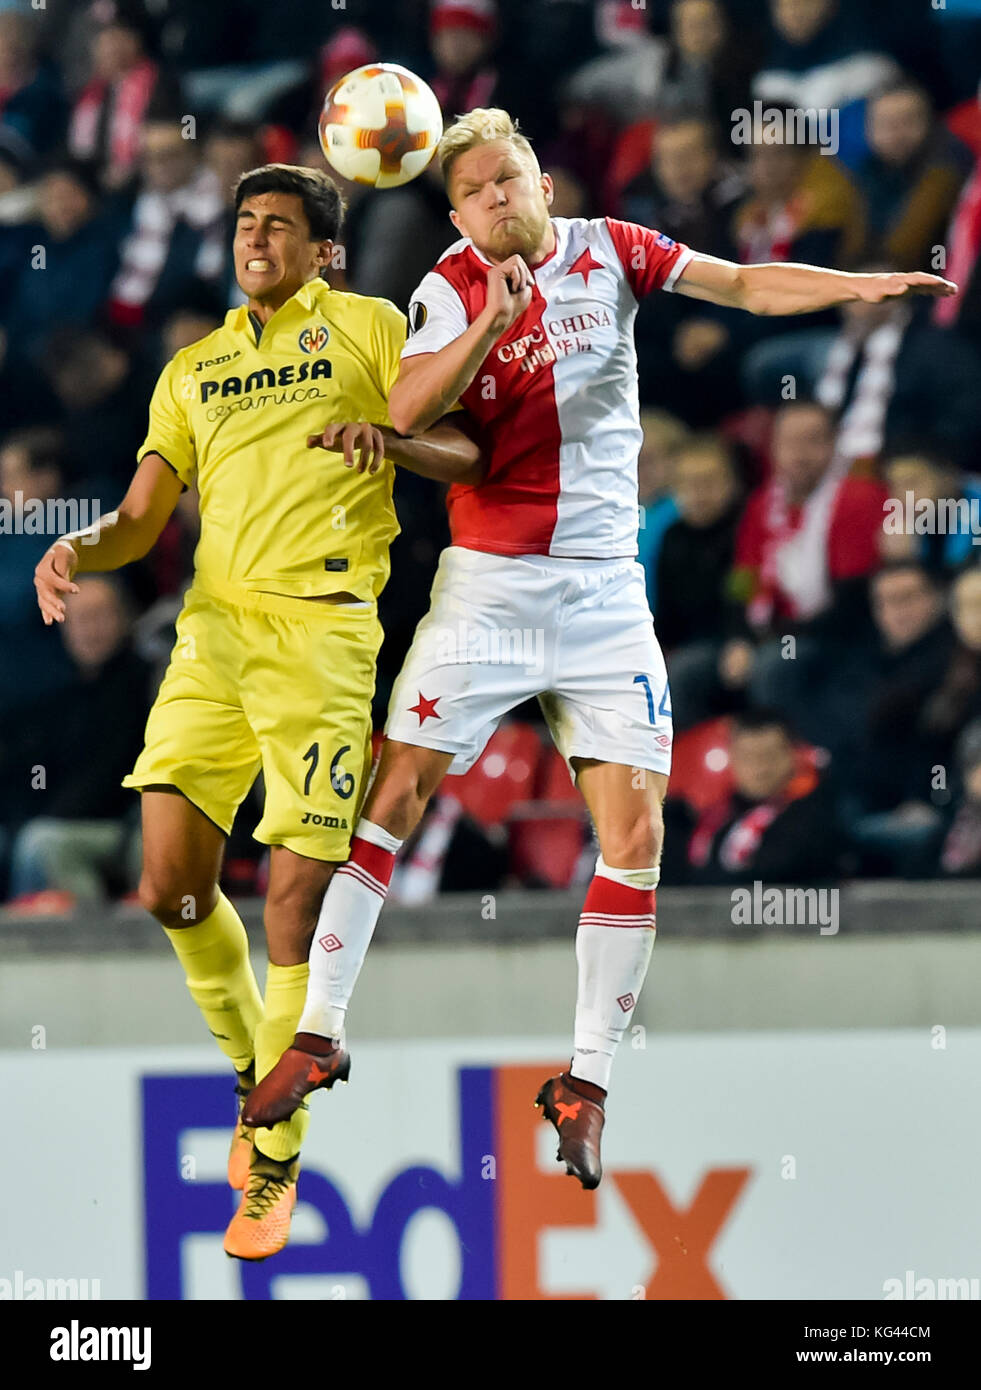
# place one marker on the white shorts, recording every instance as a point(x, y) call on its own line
point(576, 633)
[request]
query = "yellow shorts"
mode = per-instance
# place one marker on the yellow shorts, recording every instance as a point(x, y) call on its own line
point(265, 681)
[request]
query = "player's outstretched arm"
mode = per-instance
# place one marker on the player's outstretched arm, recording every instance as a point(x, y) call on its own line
point(113, 541)
point(797, 289)
point(445, 452)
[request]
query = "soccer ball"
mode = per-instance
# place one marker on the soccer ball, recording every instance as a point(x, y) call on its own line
point(380, 125)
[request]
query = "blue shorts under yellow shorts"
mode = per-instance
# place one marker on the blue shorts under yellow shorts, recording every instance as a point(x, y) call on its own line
point(273, 683)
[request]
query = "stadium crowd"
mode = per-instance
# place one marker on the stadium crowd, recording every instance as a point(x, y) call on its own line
point(823, 641)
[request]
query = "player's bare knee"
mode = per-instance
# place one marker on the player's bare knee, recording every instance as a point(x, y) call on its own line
point(176, 904)
point(637, 845)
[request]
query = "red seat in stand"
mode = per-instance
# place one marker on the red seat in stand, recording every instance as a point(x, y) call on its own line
point(700, 771)
point(546, 848)
point(700, 764)
point(503, 776)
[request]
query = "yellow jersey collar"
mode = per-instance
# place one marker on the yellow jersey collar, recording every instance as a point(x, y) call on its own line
point(308, 298)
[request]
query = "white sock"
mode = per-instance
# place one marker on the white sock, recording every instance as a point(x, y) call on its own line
point(351, 907)
point(613, 947)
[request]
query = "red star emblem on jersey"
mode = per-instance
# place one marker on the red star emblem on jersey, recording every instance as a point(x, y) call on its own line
point(584, 265)
point(426, 709)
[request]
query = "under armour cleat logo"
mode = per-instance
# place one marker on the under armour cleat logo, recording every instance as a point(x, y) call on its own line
point(567, 1112)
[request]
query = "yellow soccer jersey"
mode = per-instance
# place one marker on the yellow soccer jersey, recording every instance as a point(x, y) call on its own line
point(233, 415)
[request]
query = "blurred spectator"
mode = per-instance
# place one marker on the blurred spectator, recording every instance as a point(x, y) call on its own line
point(32, 467)
point(80, 259)
point(177, 227)
point(570, 196)
point(806, 543)
point(693, 617)
point(17, 195)
point(31, 100)
point(707, 67)
point(887, 755)
point(689, 192)
point(231, 148)
point(625, 80)
point(960, 852)
point(107, 116)
point(663, 434)
point(241, 60)
point(893, 379)
point(963, 264)
point(299, 107)
point(193, 36)
point(415, 218)
point(169, 564)
point(102, 396)
point(463, 36)
point(78, 840)
point(802, 206)
point(188, 323)
point(685, 352)
point(18, 206)
point(949, 504)
point(957, 697)
point(910, 177)
point(824, 57)
point(778, 825)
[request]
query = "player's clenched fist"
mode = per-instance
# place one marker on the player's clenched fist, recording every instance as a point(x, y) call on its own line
point(509, 291)
point(346, 439)
point(52, 578)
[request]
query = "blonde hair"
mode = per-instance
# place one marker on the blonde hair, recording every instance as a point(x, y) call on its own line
point(479, 127)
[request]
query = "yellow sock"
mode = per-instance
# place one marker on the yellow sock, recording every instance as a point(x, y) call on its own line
point(215, 957)
point(286, 992)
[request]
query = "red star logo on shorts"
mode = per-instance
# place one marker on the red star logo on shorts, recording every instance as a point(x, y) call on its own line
point(426, 709)
point(584, 265)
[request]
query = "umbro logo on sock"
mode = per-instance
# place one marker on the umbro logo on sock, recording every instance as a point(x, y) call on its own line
point(626, 1002)
point(330, 942)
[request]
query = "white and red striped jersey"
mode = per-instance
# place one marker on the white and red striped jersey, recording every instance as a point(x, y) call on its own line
point(556, 397)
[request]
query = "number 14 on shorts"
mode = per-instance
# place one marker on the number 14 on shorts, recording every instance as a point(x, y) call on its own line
point(664, 708)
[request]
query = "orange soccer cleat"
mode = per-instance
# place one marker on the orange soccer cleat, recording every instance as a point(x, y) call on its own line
point(578, 1122)
point(310, 1063)
point(243, 1135)
point(261, 1226)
